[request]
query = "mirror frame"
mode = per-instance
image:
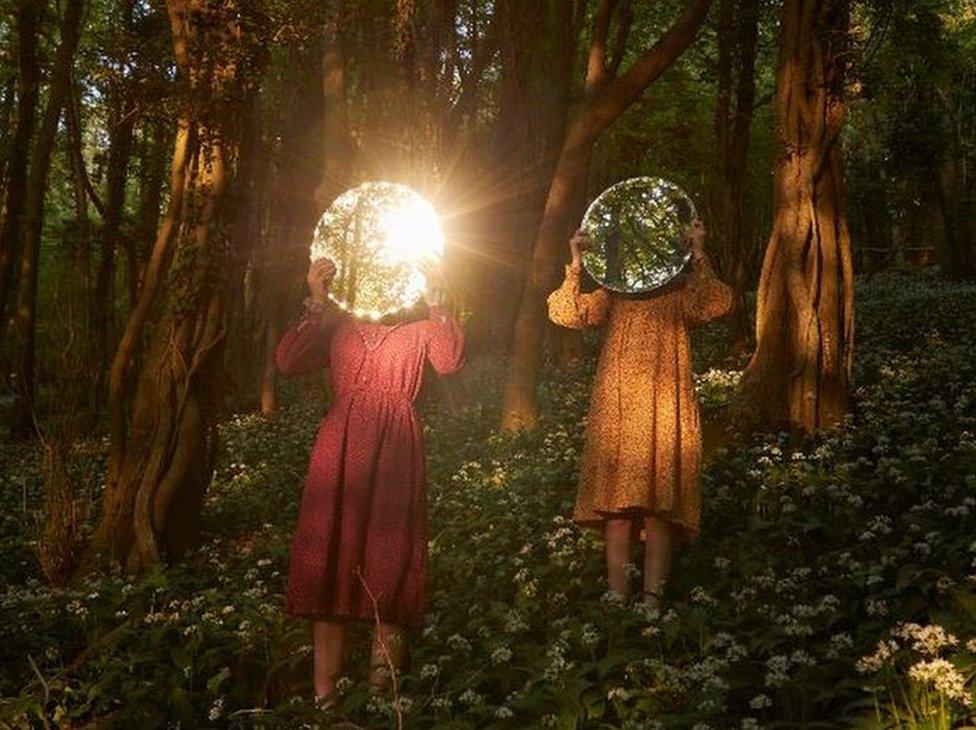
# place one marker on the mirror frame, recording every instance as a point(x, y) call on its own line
point(681, 258)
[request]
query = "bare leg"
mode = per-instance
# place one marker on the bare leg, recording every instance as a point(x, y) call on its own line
point(657, 558)
point(328, 640)
point(389, 646)
point(618, 555)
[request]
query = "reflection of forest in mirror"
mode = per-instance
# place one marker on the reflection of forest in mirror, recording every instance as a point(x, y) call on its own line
point(376, 234)
point(635, 229)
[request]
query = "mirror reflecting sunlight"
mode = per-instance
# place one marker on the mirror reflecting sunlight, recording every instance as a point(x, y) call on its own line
point(379, 234)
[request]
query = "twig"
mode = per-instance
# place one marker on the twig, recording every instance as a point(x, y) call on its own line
point(250, 711)
point(385, 649)
point(47, 690)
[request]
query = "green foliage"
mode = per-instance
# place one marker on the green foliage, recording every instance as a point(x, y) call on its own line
point(911, 119)
point(811, 554)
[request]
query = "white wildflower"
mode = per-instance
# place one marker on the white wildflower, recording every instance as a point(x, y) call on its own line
point(343, 684)
point(216, 709)
point(760, 702)
point(944, 677)
point(458, 643)
point(928, 640)
point(501, 655)
point(876, 607)
point(589, 635)
point(777, 667)
point(874, 662)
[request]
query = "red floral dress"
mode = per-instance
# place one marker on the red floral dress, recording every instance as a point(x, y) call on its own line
point(360, 547)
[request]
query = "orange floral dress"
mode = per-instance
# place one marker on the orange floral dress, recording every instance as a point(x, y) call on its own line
point(643, 440)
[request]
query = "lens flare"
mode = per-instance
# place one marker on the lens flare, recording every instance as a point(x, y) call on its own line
point(413, 231)
point(379, 234)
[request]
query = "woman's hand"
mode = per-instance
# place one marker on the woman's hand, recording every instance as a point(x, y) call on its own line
point(578, 242)
point(321, 272)
point(694, 239)
point(436, 294)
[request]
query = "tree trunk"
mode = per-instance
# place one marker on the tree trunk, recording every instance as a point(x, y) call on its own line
point(954, 181)
point(738, 31)
point(152, 177)
point(121, 123)
point(607, 98)
point(161, 463)
point(799, 373)
point(28, 87)
point(81, 228)
point(537, 50)
point(312, 171)
point(8, 106)
point(244, 351)
point(32, 223)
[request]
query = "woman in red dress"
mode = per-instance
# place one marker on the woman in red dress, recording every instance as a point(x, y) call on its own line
point(360, 547)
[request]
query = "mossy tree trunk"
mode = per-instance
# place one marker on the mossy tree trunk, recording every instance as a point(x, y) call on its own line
point(164, 435)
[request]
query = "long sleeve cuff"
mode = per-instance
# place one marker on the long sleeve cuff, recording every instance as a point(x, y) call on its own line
point(310, 318)
point(702, 266)
point(438, 312)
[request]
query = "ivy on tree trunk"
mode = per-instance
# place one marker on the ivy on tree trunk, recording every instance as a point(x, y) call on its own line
point(164, 437)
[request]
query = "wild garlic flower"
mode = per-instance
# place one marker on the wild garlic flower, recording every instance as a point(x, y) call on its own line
point(943, 677)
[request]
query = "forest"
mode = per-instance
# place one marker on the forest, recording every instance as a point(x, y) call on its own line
point(163, 167)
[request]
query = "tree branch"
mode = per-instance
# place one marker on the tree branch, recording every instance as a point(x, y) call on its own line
point(596, 64)
point(578, 11)
point(74, 144)
point(625, 19)
point(617, 95)
point(481, 58)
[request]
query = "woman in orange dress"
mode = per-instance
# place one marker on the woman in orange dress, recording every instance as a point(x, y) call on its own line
point(641, 462)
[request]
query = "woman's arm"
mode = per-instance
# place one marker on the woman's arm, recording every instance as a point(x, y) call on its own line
point(444, 338)
point(305, 347)
point(705, 296)
point(568, 306)
point(445, 341)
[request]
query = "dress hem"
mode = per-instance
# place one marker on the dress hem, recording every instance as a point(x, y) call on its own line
point(596, 519)
point(344, 618)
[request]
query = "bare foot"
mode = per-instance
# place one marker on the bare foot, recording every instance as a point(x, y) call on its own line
point(380, 680)
point(325, 701)
point(652, 599)
point(324, 687)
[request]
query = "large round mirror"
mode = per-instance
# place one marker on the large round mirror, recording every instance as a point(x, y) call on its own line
point(635, 230)
point(378, 234)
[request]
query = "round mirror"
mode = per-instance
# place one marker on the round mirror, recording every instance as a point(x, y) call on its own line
point(378, 234)
point(635, 230)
